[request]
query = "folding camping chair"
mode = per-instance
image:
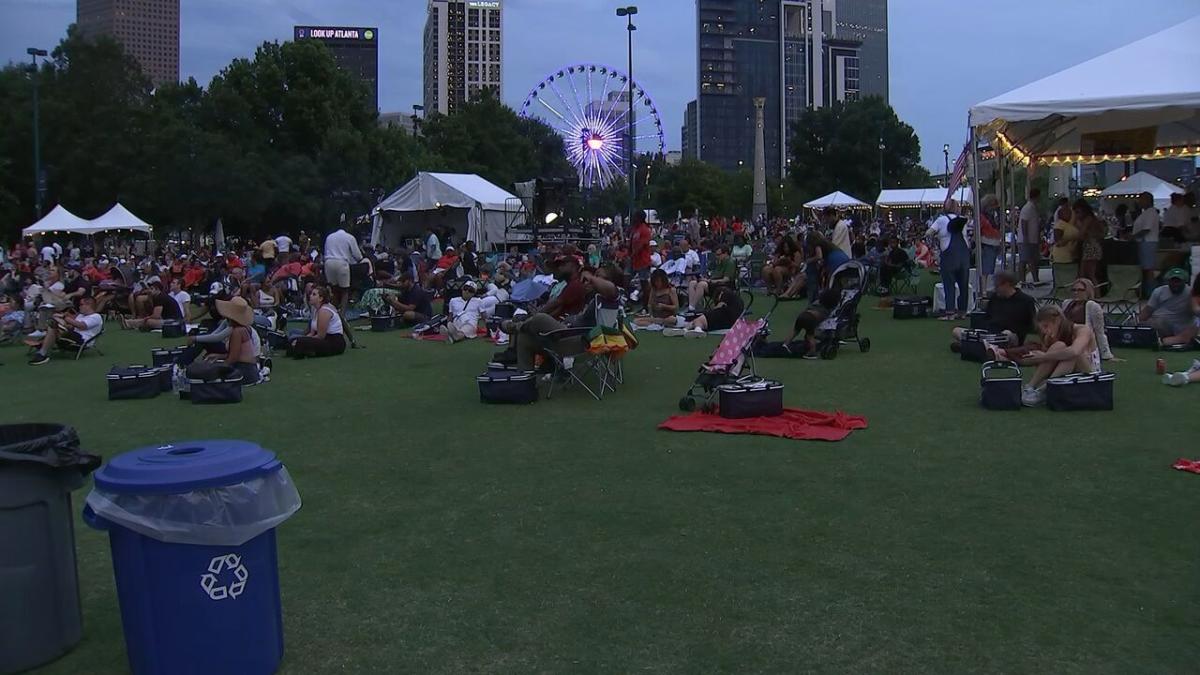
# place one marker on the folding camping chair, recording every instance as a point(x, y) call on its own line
point(600, 361)
point(66, 344)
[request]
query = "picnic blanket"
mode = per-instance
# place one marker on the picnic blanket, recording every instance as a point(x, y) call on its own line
point(794, 423)
point(1189, 465)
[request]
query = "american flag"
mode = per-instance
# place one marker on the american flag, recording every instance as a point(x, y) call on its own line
point(960, 171)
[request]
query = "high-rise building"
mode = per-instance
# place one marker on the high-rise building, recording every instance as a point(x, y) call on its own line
point(356, 50)
point(147, 29)
point(463, 52)
point(797, 54)
point(691, 121)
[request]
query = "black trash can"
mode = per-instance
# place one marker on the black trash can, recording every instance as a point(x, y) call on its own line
point(39, 466)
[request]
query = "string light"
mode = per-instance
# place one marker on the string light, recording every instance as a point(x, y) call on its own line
point(1023, 158)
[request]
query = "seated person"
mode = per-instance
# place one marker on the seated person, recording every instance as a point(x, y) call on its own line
point(162, 308)
point(722, 272)
point(465, 312)
point(1169, 310)
point(242, 345)
point(778, 271)
point(412, 303)
point(1083, 308)
point(1071, 348)
point(727, 306)
point(570, 294)
point(741, 251)
point(1183, 377)
point(76, 326)
point(894, 263)
point(181, 297)
point(325, 336)
point(1009, 311)
point(283, 276)
point(663, 303)
point(810, 319)
point(599, 286)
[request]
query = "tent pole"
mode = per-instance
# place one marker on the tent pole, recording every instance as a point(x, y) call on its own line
point(980, 291)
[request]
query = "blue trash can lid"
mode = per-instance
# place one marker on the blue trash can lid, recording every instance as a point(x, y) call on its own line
point(187, 465)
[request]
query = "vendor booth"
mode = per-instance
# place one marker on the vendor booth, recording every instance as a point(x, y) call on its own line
point(466, 203)
point(1128, 189)
point(62, 221)
point(837, 200)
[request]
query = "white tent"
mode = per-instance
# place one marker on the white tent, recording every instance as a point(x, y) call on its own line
point(914, 198)
point(838, 200)
point(62, 220)
point(1139, 101)
point(460, 200)
point(1143, 182)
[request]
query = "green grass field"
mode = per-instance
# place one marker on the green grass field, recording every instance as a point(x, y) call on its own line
point(442, 535)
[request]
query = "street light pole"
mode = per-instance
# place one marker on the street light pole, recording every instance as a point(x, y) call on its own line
point(946, 154)
point(38, 187)
point(882, 147)
point(628, 13)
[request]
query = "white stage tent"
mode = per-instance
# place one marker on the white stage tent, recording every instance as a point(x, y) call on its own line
point(915, 198)
point(471, 205)
point(62, 220)
point(1138, 183)
point(838, 200)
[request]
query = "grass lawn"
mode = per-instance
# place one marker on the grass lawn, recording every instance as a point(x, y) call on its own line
point(442, 535)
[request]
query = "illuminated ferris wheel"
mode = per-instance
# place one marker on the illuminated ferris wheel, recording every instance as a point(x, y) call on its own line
point(588, 105)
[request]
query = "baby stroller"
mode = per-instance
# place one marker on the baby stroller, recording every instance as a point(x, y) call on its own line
point(842, 324)
point(728, 362)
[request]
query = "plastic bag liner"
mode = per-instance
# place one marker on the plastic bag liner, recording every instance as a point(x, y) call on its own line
point(53, 445)
point(221, 516)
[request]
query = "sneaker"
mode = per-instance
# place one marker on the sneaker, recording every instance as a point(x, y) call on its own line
point(38, 359)
point(811, 356)
point(501, 338)
point(1032, 398)
point(36, 334)
point(673, 332)
point(694, 333)
point(1195, 366)
point(1175, 379)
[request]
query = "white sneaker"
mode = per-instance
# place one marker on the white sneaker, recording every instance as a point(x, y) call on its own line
point(1175, 379)
point(673, 332)
point(37, 334)
point(1032, 398)
point(694, 333)
point(502, 338)
point(1195, 366)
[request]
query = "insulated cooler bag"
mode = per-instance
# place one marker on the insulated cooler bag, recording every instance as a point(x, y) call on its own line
point(1093, 391)
point(223, 390)
point(173, 329)
point(1000, 386)
point(505, 384)
point(1144, 337)
point(911, 306)
point(167, 356)
point(127, 382)
point(978, 319)
point(974, 344)
point(382, 324)
point(763, 398)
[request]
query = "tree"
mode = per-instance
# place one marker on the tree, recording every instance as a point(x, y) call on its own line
point(837, 148)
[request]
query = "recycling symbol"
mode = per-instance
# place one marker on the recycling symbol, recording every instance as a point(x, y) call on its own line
point(222, 570)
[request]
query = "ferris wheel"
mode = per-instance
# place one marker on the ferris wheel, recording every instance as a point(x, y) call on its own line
point(588, 105)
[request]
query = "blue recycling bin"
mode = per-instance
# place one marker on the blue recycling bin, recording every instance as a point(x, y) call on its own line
point(192, 531)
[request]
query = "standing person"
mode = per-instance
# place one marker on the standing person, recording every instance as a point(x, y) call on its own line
point(990, 238)
point(283, 246)
point(955, 263)
point(1145, 232)
point(341, 251)
point(1030, 230)
point(1091, 231)
point(325, 336)
point(639, 240)
point(433, 246)
point(841, 231)
point(1066, 235)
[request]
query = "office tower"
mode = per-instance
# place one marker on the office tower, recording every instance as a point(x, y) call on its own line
point(147, 29)
point(356, 50)
point(689, 134)
point(463, 52)
point(797, 54)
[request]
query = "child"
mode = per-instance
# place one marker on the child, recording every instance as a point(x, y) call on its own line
point(810, 318)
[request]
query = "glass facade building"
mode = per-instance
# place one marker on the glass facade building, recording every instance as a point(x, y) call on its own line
point(147, 29)
point(463, 52)
point(356, 50)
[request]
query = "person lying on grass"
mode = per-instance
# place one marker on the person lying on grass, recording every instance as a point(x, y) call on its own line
point(1071, 349)
point(726, 307)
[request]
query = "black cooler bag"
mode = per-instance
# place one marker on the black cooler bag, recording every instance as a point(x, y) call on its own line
point(505, 384)
point(173, 329)
point(1144, 337)
point(911, 306)
point(382, 324)
point(1093, 391)
point(974, 345)
point(126, 382)
point(763, 398)
point(167, 356)
point(1000, 386)
point(226, 389)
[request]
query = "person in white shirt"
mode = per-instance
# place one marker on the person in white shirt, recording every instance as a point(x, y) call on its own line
point(1145, 232)
point(954, 260)
point(1030, 236)
point(690, 256)
point(326, 335)
point(433, 246)
point(465, 312)
point(1176, 218)
point(341, 251)
point(283, 244)
point(48, 253)
point(841, 235)
point(656, 258)
point(76, 326)
point(180, 296)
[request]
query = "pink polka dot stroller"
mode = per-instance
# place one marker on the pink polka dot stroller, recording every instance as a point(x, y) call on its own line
point(733, 361)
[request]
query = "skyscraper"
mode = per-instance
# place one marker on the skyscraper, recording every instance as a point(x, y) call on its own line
point(797, 54)
point(356, 50)
point(147, 29)
point(463, 52)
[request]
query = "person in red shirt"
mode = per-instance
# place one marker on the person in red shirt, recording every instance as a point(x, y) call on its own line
point(639, 241)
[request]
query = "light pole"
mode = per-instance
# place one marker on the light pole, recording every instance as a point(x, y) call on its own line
point(946, 154)
point(628, 13)
point(38, 184)
point(882, 147)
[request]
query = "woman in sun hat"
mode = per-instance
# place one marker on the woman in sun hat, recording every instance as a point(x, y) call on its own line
point(242, 346)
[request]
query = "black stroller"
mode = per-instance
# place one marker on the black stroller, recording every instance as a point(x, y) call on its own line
point(842, 324)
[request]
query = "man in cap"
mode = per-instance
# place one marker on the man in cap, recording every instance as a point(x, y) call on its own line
point(1169, 310)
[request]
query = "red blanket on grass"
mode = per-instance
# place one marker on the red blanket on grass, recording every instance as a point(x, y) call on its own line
point(805, 425)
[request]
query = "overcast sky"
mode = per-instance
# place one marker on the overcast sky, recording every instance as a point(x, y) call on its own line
point(945, 54)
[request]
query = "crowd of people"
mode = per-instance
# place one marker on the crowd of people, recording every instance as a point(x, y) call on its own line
point(682, 277)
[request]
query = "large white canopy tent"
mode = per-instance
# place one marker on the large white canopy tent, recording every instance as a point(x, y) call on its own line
point(61, 220)
point(1140, 101)
point(838, 200)
point(471, 205)
point(1138, 183)
point(915, 198)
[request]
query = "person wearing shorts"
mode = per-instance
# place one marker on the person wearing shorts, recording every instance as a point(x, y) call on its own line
point(341, 250)
point(1030, 223)
point(1145, 232)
